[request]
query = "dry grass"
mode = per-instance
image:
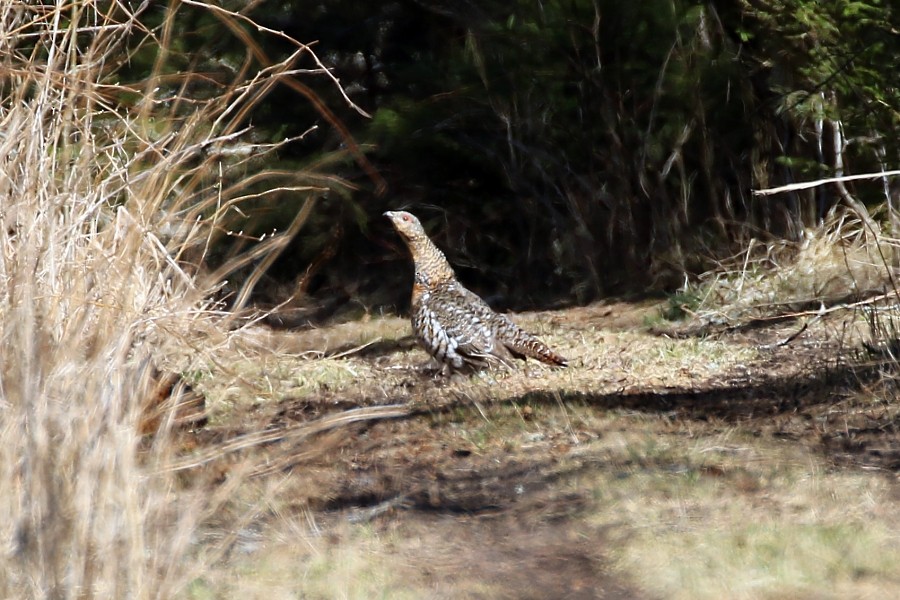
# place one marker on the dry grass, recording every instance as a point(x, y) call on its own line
point(296, 561)
point(737, 518)
point(102, 206)
point(675, 507)
point(836, 262)
point(678, 511)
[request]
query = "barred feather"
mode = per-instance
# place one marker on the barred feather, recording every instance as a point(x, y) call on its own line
point(453, 324)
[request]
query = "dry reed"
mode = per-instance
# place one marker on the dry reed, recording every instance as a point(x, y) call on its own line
point(103, 205)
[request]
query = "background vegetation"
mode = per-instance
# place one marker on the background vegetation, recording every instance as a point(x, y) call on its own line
point(562, 151)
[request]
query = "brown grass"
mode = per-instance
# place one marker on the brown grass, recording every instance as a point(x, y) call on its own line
point(670, 467)
point(501, 490)
point(105, 208)
point(839, 261)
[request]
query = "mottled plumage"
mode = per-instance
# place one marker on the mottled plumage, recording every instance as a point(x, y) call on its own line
point(454, 325)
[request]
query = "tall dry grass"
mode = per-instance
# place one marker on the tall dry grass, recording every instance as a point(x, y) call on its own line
point(101, 205)
point(842, 261)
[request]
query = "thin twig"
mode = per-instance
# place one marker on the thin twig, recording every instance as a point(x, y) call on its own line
point(304, 430)
point(786, 340)
point(817, 182)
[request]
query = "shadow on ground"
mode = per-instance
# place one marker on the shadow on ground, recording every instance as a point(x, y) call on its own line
point(499, 479)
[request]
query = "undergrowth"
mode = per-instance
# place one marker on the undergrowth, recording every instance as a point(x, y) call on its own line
point(840, 262)
point(108, 209)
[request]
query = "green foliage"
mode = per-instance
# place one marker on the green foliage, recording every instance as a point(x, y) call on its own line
point(681, 305)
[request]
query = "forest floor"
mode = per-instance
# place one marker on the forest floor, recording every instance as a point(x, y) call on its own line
point(755, 462)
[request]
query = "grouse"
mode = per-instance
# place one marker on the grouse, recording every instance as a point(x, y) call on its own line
point(454, 325)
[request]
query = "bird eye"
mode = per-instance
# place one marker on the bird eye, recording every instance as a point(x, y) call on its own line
point(406, 218)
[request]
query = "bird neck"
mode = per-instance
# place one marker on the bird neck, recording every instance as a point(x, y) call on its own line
point(432, 267)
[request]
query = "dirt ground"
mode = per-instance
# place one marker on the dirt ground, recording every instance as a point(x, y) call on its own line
point(750, 462)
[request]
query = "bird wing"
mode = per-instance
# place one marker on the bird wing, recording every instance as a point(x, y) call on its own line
point(469, 320)
point(482, 335)
point(508, 339)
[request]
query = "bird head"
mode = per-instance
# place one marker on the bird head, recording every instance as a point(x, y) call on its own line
point(406, 224)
